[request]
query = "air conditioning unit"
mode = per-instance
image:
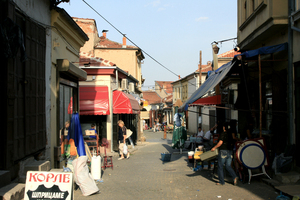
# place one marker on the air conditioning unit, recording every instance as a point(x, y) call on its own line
point(124, 84)
point(131, 87)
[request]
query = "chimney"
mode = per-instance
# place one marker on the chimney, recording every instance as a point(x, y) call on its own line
point(124, 42)
point(178, 76)
point(104, 33)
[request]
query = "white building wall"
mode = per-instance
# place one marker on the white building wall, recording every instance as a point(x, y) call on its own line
point(193, 120)
point(193, 115)
point(192, 86)
point(205, 118)
point(39, 11)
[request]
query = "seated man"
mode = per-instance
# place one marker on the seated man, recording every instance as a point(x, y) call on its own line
point(207, 139)
point(198, 140)
point(200, 132)
point(93, 129)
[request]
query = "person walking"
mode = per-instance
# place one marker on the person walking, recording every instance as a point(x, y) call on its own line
point(122, 138)
point(224, 156)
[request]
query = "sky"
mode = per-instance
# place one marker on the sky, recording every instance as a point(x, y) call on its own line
point(171, 33)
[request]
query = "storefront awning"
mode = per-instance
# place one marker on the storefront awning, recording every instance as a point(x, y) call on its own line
point(214, 78)
point(213, 100)
point(264, 50)
point(94, 100)
point(125, 103)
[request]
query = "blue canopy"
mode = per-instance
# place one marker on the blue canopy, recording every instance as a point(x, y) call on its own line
point(264, 50)
point(213, 79)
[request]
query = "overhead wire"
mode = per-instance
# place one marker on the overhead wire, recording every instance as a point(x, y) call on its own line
point(129, 39)
point(124, 35)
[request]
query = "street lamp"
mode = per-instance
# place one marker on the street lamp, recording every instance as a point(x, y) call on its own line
point(215, 49)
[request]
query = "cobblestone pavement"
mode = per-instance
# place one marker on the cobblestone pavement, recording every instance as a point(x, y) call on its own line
point(145, 176)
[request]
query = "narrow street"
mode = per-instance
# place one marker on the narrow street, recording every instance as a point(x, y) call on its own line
point(145, 176)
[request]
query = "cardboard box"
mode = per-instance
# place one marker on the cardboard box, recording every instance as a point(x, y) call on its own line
point(209, 155)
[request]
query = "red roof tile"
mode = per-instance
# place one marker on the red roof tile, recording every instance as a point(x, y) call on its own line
point(85, 24)
point(151, 97)
point(205, 68)
point(169, 99)
point(228, 54)
point(106, 43)
point(93, 61)
point(166, 85)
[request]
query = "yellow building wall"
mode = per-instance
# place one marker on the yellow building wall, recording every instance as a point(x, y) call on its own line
point(125, 59)
point(61, 49)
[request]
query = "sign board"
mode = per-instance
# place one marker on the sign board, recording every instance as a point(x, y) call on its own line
point(90, 132)
point(48, 185)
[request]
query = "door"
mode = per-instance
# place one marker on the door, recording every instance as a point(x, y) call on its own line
point(25, 84)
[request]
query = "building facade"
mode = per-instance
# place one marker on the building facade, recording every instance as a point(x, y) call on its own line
point(271, 81)
point(65, 75)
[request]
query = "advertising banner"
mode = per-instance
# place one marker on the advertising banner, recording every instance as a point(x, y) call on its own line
point(48, 185)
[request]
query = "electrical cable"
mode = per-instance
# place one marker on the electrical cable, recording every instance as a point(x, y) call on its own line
point(132, 41)
point(129, 39)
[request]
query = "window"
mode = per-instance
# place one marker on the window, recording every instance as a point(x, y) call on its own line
point(297, 4)
point(252, 6)
point(66, 104)
point(245, 9)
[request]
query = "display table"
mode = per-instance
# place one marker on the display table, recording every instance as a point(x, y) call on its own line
point(197, 157)
point(195, 141)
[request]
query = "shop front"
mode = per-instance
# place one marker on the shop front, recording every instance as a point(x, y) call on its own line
point(94, 109)
point(127, 109)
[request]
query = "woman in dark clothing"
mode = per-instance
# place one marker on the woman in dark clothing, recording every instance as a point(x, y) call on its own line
point(225, 156)
point(121, 139)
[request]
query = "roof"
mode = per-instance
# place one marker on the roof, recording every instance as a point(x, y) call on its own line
point(166, 85)
point(169, 99)
point(86, 24)
point(87, 58)
point(106, 43)
point(228, 54)
point(205, 68)
point(151, 97)
point(72, 23)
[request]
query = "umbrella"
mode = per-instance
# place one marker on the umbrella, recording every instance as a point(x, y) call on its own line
point(75, 133)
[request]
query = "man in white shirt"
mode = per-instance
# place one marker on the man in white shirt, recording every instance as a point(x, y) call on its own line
point(207, 135)
point(206, 139)
point(200, 133)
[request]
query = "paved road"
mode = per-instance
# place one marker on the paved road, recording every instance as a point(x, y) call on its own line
point(145, 176)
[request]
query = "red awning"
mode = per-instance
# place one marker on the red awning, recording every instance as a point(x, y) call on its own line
point(125, 103)
point(213, 100)
point(94, 100)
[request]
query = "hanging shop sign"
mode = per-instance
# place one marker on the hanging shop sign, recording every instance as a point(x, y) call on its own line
point(48, 185)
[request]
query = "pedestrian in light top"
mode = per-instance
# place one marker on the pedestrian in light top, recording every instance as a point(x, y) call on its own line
point(121, 139)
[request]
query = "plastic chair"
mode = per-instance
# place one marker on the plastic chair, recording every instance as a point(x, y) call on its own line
point(107, 160)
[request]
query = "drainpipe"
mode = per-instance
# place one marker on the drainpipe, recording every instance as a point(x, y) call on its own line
point(112, 114)
point(117, 79)
point(290, 87)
